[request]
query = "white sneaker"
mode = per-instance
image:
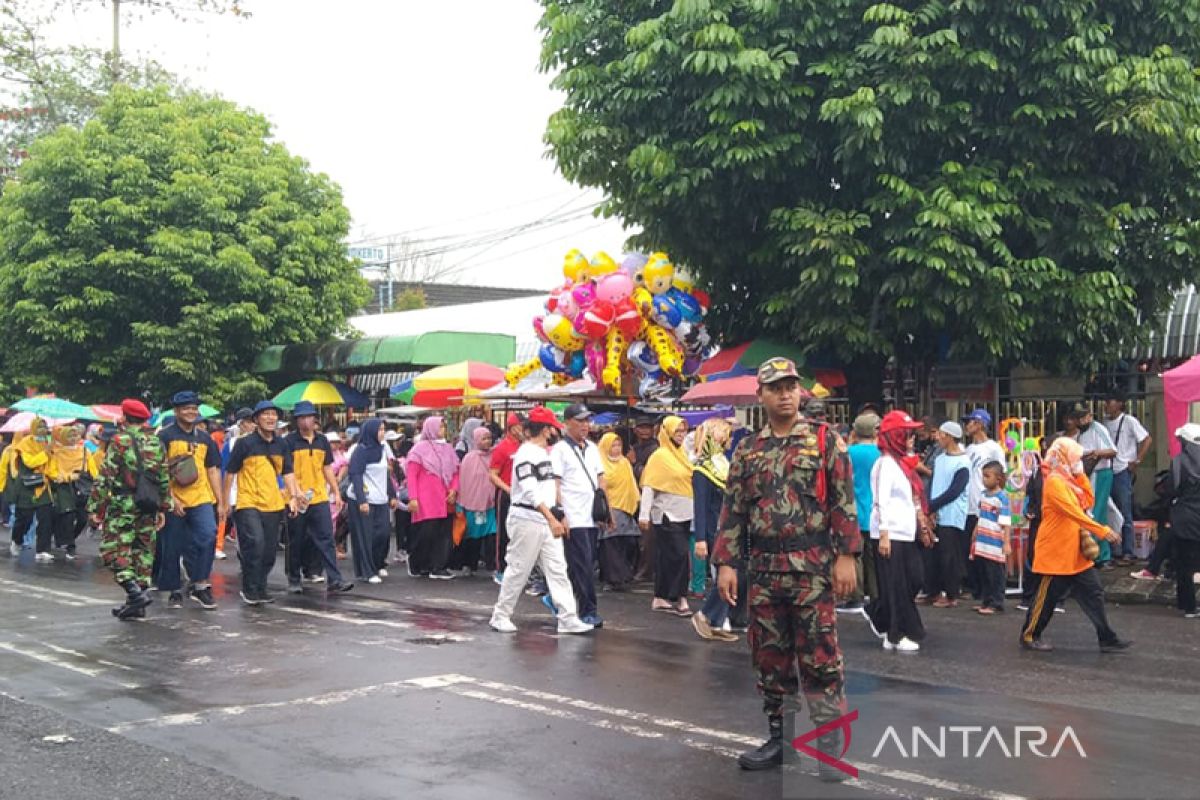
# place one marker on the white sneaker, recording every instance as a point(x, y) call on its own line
point(44, 557)
point(374, 579)
point(220, 555)
point(887, 645)
point(725, 626)
point(576, 625)
point(382, 573)
point(501, 625)
point(321, 578)
point(907, 645)
point(14, 549)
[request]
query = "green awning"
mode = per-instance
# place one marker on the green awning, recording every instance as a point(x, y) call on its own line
point(388, 353)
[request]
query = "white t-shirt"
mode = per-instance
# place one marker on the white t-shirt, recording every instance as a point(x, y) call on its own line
point(1096, 437)
point(533, 482)
point(578, 485)
point(981, 454)
point(892, 509)
point(1127, 434)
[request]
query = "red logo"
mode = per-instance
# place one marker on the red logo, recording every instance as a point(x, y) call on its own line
point(844, 721)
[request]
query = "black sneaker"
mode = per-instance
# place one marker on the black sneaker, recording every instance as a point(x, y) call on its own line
point(441, 575)
point(339, 588)
point(1115, 646)
point(175, 600)
point(263, 597)
point(295, 588)
point(204, 597)
point(250, 598)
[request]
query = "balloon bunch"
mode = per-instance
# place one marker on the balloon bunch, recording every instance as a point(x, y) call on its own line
point(641, 318)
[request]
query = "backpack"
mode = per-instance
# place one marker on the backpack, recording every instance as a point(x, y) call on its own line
point(147, 495)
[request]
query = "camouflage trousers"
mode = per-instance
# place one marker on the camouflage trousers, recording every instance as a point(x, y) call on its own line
point(127, 544)
point(794, 644)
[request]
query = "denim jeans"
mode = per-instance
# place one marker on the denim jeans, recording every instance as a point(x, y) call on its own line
point(1122, 494)
point(192, 536)
point(312, 530)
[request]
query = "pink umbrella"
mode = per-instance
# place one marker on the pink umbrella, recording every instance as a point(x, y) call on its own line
point(741, 391)
point(20, 422)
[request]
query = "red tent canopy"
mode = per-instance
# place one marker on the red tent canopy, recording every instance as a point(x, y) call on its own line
point(1181, 388)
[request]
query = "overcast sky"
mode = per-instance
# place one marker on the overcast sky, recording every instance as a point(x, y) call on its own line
point(428, 113)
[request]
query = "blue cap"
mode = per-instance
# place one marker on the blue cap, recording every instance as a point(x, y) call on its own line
point(980, 415)
point(304, 409)
point(265, 405)
point(185, 398)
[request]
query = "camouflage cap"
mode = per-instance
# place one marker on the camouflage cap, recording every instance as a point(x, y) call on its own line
point(777, 369)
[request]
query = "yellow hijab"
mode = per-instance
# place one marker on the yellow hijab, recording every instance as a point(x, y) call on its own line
point(669, 469)
point(67, 454)
point(712, 437)
point(618, 475)
point(34, 455)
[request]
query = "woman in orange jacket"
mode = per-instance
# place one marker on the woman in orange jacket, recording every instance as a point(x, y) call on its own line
point(1059, 561)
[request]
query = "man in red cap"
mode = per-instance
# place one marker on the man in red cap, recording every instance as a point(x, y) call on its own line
point(128, 506)
point(501, 474)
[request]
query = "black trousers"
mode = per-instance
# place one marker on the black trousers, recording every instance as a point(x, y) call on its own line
point(1163, 549)
point(971, 579)
point(1087, 591)
point(503, 501)
point(429, 545)
point(402, 520)
point(370, 537)
point(1187, 564)
point(580, 547)
point(619, 559)
point(672, 560)
point(894, 612)
point(258, 543)
point(993, 576)
point(45, 525)
point(310, 545)
point(946, 575)
point(465, 553)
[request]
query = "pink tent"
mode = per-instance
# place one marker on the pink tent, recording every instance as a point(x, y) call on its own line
point(1181, 388)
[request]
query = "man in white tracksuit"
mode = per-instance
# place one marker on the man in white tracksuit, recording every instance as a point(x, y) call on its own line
point(534, 531)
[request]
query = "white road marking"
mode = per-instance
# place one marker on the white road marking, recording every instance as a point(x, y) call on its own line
point(199, 717)
point(46, 658)
point(53, 595)
point(458, 685)
point(77, 654)
point(335, 617)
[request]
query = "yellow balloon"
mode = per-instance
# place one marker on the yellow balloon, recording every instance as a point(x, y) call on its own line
point(616, 346)
point(519, 372)
point(575, 267)
point(562, 379)
point(602, 264)
point(562, 334)
point(643, 300)
point(658, 274)
point(683, 281)
point(670, 356)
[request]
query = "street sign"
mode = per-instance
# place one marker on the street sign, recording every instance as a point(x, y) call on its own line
point(369, 255)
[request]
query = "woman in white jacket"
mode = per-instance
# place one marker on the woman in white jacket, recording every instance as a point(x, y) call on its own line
point(896, 519)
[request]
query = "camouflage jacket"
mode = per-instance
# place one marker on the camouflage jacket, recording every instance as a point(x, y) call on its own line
point(789, 504)
point(118, 474)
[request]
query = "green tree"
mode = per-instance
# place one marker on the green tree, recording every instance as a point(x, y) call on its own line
point(1008, 182)
point(409, 300)
point(162, 246)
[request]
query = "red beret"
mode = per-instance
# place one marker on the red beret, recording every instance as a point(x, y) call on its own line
point(135, 410)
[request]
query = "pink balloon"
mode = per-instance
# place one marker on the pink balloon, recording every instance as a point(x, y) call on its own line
point(537, 328)
point(567, 305)
point(615, 287)
point(584, 295)
point(597, 358)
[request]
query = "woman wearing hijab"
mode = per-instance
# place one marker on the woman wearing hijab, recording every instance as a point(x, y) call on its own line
point(341, 470)
point(667, 499)
point(620, 545)
point(897, 514)
point(708, 485)
point(466, 437)
point(1066, 549)
point(476, 501)
point(432, 491)
point(1185, 518)
point(30, 487)
point(68, 462)
point(371, 495)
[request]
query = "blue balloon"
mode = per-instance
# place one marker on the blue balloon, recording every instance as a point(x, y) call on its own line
point(665, 312)
point(578, 364)
point(552, 358)
point(642, 357)
point(689, 307)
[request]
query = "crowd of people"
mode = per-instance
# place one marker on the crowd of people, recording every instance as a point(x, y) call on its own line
point(638, 502)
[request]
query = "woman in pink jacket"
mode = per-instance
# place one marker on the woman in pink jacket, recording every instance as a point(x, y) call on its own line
point(432, 490)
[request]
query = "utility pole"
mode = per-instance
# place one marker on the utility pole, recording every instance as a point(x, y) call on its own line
point(116, 40)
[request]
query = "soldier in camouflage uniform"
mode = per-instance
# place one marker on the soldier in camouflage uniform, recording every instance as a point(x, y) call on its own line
point(789, 515)
point(127, 533)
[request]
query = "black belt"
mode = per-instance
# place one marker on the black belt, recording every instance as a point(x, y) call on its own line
point(774, 544)
point(526, 506)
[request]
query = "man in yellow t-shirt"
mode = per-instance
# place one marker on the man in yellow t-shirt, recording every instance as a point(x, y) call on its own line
point(310, 531)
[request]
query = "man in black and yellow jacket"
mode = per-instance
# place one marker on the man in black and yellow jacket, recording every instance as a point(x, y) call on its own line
point(262, 462)
point(310, 532)
point(194, 463)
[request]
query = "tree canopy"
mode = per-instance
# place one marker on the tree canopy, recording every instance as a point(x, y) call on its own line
point(1011, 182)
point(162, 246)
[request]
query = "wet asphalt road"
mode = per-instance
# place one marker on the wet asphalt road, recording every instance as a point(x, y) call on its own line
point(401, 690)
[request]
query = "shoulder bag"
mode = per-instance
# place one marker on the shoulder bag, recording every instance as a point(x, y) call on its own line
point(601, 513)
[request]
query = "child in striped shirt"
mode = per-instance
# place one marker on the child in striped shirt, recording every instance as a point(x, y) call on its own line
point(991, 541)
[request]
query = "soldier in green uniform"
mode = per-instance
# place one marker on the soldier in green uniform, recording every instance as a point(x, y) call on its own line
point(789, 515)
point(127, 532)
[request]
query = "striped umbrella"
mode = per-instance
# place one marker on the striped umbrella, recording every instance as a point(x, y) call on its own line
point(454, 384)
point(321, 393)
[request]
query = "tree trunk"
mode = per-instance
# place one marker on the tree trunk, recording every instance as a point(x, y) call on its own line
point(864, 381)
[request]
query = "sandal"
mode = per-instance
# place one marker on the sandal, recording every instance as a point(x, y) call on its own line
point(667, 609)
point(986, 611)
point(943, 602)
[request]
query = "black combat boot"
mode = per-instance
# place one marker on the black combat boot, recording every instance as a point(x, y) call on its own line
point(831, 745)
point(136, 601)
point(770, 755)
